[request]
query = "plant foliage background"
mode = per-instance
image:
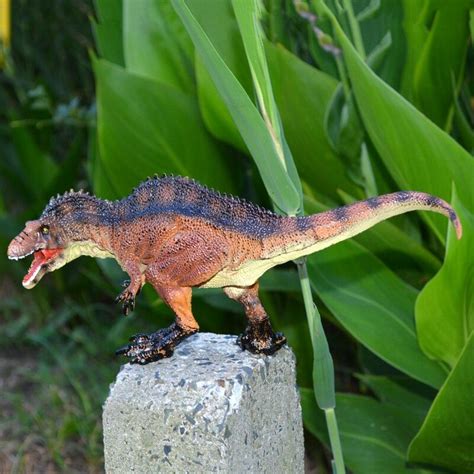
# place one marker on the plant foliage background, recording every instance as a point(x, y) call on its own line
point(364, 97)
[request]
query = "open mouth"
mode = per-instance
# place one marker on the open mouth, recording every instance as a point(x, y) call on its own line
point(39, 266)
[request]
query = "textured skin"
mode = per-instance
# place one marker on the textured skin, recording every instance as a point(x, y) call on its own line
point(176, 234)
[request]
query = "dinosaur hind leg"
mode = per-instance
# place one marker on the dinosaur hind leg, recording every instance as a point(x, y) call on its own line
point(258, 337)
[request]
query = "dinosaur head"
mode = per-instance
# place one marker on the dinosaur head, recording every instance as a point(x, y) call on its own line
point(41, 239)
point(65, 230)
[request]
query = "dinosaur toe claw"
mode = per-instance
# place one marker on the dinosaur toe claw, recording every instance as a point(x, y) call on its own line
point(127, 299)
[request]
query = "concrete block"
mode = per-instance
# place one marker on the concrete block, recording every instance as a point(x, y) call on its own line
point(210, 408)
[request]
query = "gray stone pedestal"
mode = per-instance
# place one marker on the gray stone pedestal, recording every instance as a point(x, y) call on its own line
point(210, 408)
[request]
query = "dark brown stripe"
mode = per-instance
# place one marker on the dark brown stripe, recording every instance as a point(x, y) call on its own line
point(374, 202)
point(403, 196)
point(340, 213)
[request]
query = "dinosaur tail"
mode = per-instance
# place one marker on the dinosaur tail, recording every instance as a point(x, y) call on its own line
point(305, 235)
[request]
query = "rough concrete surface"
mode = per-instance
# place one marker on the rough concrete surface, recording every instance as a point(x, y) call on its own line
point(210, 408)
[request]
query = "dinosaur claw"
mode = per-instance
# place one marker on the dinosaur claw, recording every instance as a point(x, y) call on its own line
point(139, 338)
point(122, 350)
point(145, 348)
point(127, 298)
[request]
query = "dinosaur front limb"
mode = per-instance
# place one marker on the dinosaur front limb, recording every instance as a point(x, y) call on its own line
point(258, 336)
point(132, 288)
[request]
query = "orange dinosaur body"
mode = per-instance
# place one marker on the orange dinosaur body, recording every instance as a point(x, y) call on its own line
point(176, 234)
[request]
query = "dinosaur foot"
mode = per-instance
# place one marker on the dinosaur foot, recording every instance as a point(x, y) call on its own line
point(259, 338)
point(145, 348)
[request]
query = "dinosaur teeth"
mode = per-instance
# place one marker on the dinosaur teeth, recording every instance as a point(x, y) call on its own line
point(19, 257)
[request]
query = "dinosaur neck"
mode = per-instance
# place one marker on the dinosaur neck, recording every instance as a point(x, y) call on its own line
point(88, 221)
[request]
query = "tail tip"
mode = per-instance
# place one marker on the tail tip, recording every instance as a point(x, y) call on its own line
point(456, 223)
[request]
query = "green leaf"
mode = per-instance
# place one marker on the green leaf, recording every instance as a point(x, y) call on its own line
point(245, 115)
point(413, 149)
point(247, 14)
point(471, 23)
point(214, 112)
point(323, 366)
point(447, 436)
point(445, 307)
point(223, 32)
point(384, 39)
point(466, 132)
point(374, 305)
point(374, 435)
point(389, 391)
point(440, 56)
point(36, 168)
point(304, 92)
point(250, 30)
point(369, 11)
point(156, 44)
point(146, 127)
point(108, 30)
point(344, 131)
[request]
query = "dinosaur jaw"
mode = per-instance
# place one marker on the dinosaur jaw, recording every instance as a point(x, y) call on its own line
point(42, 262)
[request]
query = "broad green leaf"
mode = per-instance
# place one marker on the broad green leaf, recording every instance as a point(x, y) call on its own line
point(464, 128)
point(245, 115)
point(247, 14)
point(378, 54)
point(69, 170)
point(471, 23)
point(368, 172)
point(384, 39)
point(214, 112)
point(108, 30)
point(304, 92)
point(440, 54)
point(414, 25)
point(279, 14)
point(146, 127)
point(36, 168)
point(374, 435)
point(374, 305)
point(222, 30)
point(447, 436)
point(417, 153)
point(368, 11)
point(344, 129)
point(445, 307)
point(156, 44)
point(389, 391)
point(248, 20)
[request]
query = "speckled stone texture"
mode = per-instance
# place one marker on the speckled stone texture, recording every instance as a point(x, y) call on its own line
point(210, 408)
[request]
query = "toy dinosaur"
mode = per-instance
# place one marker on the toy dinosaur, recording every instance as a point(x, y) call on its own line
point(176, 234)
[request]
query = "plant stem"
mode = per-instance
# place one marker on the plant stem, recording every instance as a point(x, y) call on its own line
point(323, 370)
point(341, 68)
point(355, 30)
point(307, 296)
point(335, 441)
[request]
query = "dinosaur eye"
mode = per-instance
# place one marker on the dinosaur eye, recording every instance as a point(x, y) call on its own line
point(45, 229)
